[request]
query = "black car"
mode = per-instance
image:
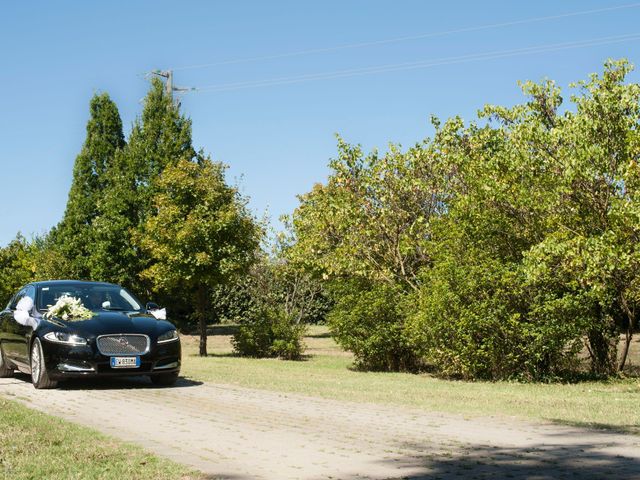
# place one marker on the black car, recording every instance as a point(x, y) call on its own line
point(122, 338)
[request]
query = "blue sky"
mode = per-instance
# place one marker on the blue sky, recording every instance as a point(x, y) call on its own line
point(277, 139)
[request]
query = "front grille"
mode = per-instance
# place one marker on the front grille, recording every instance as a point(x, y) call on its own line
point(112, 345)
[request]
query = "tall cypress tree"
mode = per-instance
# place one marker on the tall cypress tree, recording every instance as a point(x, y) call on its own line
point(159, 138)
point(74, 236)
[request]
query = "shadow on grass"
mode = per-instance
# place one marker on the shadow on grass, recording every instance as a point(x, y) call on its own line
point(114, 383)
point(605, 427)
point(215, 330)
point(222, 330)
point(303, 358)
point(318, 335)
point(216, 355)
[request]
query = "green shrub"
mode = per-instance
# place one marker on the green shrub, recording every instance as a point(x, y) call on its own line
point(270, 333)
point(370, 323)
point(477, 318)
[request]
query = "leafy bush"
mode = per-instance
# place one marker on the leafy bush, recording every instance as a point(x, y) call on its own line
point(484, 322)
point(270, 333)
point(370, 323)
point(14, 268)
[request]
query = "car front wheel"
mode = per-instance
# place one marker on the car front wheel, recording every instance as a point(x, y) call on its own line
point(39, 376)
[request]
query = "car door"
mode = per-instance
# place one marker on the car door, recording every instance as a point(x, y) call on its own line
point(26, 331)
point(16, 336)
point(12, 331)
point(8, 329)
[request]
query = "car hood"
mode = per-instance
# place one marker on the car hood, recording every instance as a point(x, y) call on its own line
point(103, 323)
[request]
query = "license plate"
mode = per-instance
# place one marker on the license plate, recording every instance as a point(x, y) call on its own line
point(125, 362)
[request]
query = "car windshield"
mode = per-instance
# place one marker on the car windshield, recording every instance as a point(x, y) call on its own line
point(94, 297)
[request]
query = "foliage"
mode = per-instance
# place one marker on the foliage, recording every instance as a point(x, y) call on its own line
point(548, 216)
point(74, 237)
point(509, 241)
point(281, 299)
point(47, 258)
point(159, 138)
point(23, 261)
point(278, 301)
point(592, 255)
point(373, 218)
point(270, 333)
point(200, 235)
point(16, 268)
point(367, 232)
point(233, 301)
point(481, 322)
point(369, 321)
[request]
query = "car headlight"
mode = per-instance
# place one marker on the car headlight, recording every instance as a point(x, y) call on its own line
point(170, 336)
point(66, 338)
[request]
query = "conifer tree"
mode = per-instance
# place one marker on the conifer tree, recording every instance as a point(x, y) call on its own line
point(73, 236)
point(159, 138)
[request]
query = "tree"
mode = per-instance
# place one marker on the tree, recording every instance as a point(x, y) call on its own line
point(538, 250)
point(281, 301)
point(199, 236)
point(372, 220)
point(496, 250)
point(74, 235)
point(473, 316)
point(367, 233)
point(160, 138)
point(16, 268)
point(592, 254)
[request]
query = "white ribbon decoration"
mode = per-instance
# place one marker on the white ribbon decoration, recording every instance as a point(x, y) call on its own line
point(160, 314)
point(22, 313)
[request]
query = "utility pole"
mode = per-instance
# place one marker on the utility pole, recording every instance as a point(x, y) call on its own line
point(168, 84)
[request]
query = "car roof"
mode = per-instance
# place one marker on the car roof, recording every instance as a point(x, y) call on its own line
point(51, 283)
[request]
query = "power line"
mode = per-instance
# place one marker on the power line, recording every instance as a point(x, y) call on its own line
point(419, 64)
point(411, 37)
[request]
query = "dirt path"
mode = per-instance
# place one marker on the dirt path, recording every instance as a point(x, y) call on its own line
point(238, 433)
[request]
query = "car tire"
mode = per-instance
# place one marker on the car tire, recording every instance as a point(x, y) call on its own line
point(5, 371)
point(165, 379)
point(39, 376)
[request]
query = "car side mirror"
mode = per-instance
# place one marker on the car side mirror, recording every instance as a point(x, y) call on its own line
point(152, 306)
point(156, 311)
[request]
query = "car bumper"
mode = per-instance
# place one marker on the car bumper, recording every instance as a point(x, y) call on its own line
point(64, 361)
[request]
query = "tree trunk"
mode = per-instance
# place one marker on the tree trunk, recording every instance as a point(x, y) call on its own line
point(603, 352)
point(629, 333)
point(625, 350)
point(202, 318)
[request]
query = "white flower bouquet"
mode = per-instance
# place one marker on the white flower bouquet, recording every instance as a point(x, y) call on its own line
point(68, 308)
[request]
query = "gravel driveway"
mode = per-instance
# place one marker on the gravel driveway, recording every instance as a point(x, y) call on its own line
point(239, 433)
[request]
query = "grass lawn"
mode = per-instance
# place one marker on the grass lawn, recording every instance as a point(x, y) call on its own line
point(326, 373)
point(38, 446)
